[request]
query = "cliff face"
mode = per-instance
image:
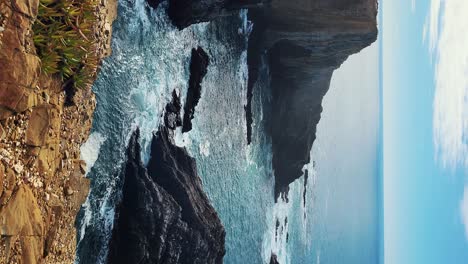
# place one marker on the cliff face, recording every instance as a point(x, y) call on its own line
point(184, 13)
point(305, 41)
point(164, 216)
point(41, 174)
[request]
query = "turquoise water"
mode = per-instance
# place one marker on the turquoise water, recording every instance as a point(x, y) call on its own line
point(150, 59)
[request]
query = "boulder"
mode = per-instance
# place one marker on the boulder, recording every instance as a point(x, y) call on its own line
point(38, 126)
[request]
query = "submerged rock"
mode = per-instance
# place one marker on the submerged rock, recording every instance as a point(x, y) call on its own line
point(164, 216)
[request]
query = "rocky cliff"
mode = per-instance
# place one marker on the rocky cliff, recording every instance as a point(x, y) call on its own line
point(164, 216)
point(304, 42)
point(41, 173)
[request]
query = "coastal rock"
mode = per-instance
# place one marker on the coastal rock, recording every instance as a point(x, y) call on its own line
point(305, 43)
point(184, 13)
point(198, 69)
point(38, 126)
point(274, 259)
point(172, 115)
point(164, 216)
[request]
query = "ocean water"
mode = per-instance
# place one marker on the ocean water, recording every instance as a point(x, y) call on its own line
point(150, 59)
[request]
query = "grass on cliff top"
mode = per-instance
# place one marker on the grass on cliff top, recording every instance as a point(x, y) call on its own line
point(65, 41)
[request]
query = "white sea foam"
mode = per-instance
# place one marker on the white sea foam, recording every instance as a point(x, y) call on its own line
point(286, 214)
point(205, 148)
point(90, 149)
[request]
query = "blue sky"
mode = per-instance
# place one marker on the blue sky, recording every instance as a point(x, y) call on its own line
point(424, 133)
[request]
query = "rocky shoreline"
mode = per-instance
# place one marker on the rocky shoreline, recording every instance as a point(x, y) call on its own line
point(164, 215)
point(42, 183)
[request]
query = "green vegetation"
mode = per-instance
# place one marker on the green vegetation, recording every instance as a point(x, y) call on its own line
point(64, 39)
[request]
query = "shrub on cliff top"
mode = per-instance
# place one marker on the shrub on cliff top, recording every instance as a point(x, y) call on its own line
point(65, 41)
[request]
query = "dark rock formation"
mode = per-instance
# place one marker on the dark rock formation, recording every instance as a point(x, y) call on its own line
point(164, 216)
point(154, 3)
point(172, 115)
point(184, 13)
point(304, 193)
point(198, 69)
point(306, 41)
point(274, 259)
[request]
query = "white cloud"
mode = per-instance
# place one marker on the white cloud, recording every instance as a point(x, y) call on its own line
point(413, 5)
point(445, 31)
point(464, 210)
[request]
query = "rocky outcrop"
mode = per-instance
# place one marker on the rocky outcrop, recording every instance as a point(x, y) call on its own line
point(164, 216)
point(305, 41)
point(184, 13)
point(198, 69)
point(41, 180)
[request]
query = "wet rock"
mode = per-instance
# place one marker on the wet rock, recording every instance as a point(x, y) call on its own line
point(183, 13)
point(198, 69)
point(172, 115)
point(164, 217)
